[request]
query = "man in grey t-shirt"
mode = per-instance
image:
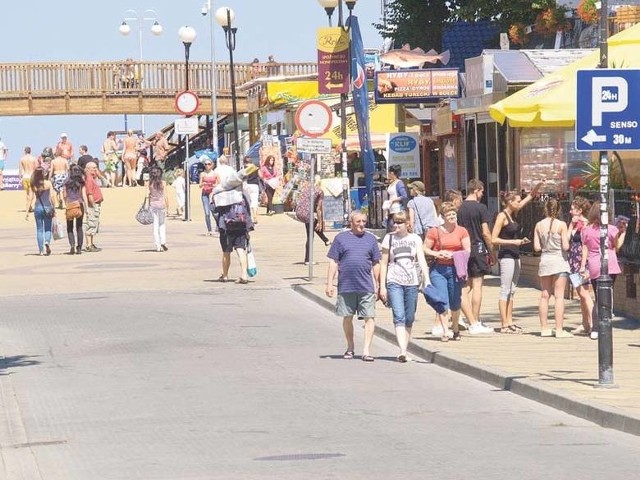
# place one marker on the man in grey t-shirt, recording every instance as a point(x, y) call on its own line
point(422, 211)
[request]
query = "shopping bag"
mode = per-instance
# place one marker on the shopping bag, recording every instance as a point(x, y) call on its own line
point(57, 229)
point(144, 215)
point(252, 269)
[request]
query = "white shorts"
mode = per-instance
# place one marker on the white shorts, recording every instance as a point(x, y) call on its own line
point(252, 191)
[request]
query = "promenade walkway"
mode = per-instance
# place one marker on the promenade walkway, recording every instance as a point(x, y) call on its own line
point(558, 372)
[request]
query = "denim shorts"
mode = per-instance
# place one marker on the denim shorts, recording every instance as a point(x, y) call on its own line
point(362, 304)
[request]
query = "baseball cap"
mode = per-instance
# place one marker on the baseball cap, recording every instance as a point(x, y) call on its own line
point(435, 298)
point(63, 135)
point(418, 186)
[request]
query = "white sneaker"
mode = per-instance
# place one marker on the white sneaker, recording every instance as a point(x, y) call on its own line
point(478, 329)
point(593, 335)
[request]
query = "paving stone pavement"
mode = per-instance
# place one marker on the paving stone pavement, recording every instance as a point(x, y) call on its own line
point(562, 373)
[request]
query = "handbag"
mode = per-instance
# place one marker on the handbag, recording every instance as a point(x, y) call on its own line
point(252, 269)
point(144, 215)
point(57, 229)
point(431, 260)
point(630, 249)
point(74, 210)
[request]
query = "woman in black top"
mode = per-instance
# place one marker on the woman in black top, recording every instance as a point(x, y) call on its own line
point(507, 236)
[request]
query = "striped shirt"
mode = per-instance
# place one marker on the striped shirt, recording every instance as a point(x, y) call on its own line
point(356, 255)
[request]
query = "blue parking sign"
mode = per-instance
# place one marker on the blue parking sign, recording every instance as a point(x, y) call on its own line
point(608, 109)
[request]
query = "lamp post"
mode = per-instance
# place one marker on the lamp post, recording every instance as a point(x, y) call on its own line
point(207, 10)
point(187, 36)
point(125, 29)
point(604, 284)
point(329, 7)
point(225, 17)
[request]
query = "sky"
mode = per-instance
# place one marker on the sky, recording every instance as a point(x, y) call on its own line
point(80, 30)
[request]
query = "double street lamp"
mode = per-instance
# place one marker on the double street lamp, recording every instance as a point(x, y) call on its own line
point(225, 17)
point(329, 7)
point(140, 17)
point(207, 10)
point(187, 36)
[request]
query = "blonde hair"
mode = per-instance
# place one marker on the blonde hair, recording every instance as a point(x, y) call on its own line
point(447, 207)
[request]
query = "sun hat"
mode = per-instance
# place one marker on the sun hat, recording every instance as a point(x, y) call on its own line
point(63, 135)
point(418, 185)
point(435, 298)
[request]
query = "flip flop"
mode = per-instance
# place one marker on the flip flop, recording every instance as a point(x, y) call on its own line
point(242, 281)
point(223, 279)
point(402, 358)
point(367, 358)
point(348, 355)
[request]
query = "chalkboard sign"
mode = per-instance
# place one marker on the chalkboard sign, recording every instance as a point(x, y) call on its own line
point(333, 209)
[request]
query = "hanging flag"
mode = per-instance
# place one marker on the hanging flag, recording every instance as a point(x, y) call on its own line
point(361, 101)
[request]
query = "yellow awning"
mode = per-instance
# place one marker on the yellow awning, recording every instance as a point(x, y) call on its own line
point(551, 101)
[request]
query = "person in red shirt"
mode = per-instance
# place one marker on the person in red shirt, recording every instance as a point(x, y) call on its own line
point(441, 243)
point(94, 202)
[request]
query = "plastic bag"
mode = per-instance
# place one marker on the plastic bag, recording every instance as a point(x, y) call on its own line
point(252, 269)
point(58, 230)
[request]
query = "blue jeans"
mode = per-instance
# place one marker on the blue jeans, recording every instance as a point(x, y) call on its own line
point(444, 278)
point(43, 227)
point(206, 206)
point(403, 300)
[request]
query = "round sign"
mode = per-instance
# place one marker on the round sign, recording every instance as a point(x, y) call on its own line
point(187, 102)
point(313, 118)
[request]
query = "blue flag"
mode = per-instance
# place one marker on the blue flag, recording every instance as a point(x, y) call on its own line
point(361, 101)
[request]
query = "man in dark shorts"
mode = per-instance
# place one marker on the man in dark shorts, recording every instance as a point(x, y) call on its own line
point(355, 257)
point(474, 216)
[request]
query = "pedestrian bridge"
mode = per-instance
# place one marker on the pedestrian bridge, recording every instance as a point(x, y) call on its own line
point(126, 86)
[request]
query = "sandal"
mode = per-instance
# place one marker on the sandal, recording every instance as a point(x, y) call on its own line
point(516, 328)
point(367, 358)
point(223, 279)
point(508, 330)
point(445, 338)
point(242, 281)
point(348, 355)
point(402, 358)
point(456, 336)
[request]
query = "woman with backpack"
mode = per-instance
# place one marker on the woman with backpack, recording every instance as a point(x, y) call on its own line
point(39, 202)
point(158, 203)
point(208, 180)
point(75, 198)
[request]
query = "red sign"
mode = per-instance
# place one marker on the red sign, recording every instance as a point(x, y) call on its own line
point(333, 60)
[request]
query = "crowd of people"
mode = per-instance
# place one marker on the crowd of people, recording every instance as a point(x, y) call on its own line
point(446, 256)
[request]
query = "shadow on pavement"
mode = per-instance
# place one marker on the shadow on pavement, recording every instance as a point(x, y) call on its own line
point(7, 363)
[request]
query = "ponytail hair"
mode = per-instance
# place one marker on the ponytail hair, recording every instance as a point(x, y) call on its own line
point(552, 208)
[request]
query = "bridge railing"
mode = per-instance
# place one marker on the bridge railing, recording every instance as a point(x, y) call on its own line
point(147, 78)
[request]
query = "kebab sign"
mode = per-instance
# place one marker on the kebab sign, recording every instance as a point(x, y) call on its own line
point(333, 60)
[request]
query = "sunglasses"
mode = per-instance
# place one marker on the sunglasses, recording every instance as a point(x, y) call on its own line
point(208, 164)
point(399, 222)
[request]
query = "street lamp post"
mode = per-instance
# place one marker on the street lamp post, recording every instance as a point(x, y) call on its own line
point(207, 8)
point(225, 17)
point(187, 36)
point(147, 15)
point(329, 7)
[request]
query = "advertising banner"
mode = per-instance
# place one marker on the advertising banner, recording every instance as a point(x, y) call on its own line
point(361, 102)
point(333, 60)
point(414, 86)
point(404, 150)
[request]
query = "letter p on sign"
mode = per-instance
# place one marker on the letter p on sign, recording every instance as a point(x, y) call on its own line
point(608, 95)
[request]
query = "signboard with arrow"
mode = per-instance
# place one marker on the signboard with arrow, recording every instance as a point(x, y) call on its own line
point(333, 60)
point(608, 109)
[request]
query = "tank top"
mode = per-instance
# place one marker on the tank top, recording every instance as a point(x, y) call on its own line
point(156, 198)
point(43, 199)
point(208, 181)
point(511, 231)
point(74, 195)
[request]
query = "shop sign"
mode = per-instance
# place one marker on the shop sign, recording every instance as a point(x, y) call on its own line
point(404, 149)
point(333, 60)
point(416, 86)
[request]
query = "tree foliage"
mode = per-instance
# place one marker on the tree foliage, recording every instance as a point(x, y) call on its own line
point(420, 22)
point(416, 22)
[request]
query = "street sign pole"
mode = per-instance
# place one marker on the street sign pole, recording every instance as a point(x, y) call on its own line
point(604, 283)
point(310, 233)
